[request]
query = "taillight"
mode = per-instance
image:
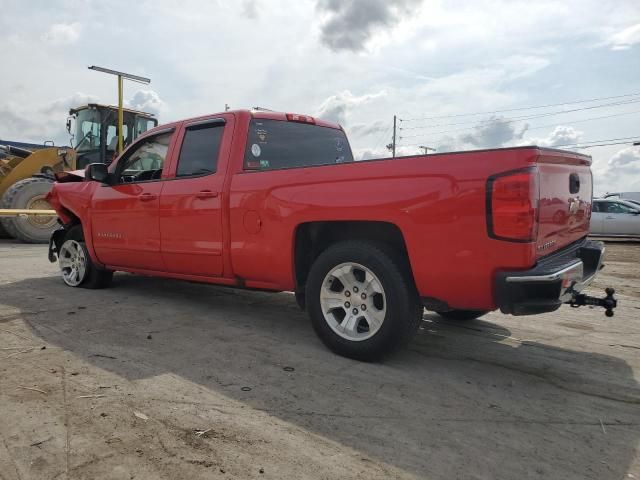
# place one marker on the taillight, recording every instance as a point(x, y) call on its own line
point(512, 206)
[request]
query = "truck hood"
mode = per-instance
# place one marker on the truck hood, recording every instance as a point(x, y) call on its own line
point(70, 176)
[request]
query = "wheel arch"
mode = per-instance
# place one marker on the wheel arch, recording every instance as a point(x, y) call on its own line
point(312, 238)
point(71, 219)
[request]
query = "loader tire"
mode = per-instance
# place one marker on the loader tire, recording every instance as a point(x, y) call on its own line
point(3, 232)
point(29, 194)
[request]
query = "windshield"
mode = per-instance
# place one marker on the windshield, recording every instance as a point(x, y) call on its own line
point(87, 130)
point(143, 124)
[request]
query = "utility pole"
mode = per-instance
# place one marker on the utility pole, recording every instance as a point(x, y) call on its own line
point(392, 145)
point(394, 138)
point(121, 76)
point(226, 107)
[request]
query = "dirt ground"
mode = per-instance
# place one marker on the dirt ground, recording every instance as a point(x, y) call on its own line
point(160, 379)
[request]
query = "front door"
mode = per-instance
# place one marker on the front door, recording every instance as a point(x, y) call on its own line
point(621, 219)
point(191, 202)
point(597, 217)
point(124, 216)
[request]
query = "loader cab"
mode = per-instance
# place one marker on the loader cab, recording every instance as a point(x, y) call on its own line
point(94, 131)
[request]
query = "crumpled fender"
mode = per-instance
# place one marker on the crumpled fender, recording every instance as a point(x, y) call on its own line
point(70, 176)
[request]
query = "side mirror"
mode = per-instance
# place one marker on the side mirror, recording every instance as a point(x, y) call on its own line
point(69, 124)
point(97, 172)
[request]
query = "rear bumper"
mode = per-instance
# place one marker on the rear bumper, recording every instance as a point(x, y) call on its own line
point(553, 281)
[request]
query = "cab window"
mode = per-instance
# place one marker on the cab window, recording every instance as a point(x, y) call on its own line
point(614, 207)
point(200, 149)
point(146, 161)
point(276, 144)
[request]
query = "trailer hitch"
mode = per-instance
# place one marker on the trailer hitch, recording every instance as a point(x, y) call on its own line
point(608, 303)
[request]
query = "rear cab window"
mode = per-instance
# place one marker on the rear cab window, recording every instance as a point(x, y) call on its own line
point(278, 144)
point(200, 149)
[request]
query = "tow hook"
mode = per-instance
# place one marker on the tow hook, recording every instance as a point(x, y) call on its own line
point(608, 303)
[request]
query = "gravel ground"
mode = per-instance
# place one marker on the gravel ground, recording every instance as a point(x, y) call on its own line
point(160, 379)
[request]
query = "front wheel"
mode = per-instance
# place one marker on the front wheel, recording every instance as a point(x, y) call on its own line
point(362, 300)
point(76, 267)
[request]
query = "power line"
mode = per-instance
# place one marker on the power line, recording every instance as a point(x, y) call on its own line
point(518, 109)
point(524, 117)
point(384, 135)
point(580, 144)
point(606, 144)
point(584, 144)
point(537, 127)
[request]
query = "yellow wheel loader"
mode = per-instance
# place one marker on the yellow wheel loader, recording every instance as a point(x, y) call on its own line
point(26, 176)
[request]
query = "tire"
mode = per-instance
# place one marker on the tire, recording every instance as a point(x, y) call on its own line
point(462, 315)
point(29, 194)
point(4, 233)
point(393, 309)
point(74, 257)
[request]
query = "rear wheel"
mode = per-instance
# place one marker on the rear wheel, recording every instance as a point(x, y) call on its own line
point(76, 267)
point(29, 194)
point(362, 301)
point(462, 315)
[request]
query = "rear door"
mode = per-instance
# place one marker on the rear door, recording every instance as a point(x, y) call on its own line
point(191, 202)
point(124, 216)
point(565, 199)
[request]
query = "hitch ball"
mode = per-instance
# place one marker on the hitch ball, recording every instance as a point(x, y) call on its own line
point(608, 303)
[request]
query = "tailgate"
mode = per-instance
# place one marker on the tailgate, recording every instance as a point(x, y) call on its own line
point(565, 199)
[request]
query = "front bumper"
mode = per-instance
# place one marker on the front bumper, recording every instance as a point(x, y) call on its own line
point(553, 281)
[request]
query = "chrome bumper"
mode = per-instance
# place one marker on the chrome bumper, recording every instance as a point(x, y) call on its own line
point(554, 281)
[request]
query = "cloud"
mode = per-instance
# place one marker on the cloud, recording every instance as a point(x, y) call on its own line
point(364, 129)
point(351, 23)
point(250, 9)
point(65, 103)
point(337, 107)
point(626, 38)
point(621, 172)
point(495, 132)
point(625, 161)
point(147, 101)
point(561, 135)
point(40, 122)
point(62, 33)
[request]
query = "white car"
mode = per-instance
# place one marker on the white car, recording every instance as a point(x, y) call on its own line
point(615, 218)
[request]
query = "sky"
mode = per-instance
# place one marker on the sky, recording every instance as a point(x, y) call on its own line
point(357, 62)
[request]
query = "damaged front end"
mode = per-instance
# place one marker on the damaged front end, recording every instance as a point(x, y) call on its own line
point(55, 243)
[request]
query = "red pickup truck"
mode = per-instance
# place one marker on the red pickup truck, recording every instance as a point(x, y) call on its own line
point(275, 201)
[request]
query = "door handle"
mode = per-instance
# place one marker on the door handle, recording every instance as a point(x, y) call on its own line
point(206, 194)
point(146, 197)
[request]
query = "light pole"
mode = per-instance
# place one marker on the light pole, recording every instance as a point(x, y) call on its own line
point(121, 75)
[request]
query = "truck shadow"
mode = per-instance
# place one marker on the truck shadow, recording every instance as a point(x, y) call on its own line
point(463, 401)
